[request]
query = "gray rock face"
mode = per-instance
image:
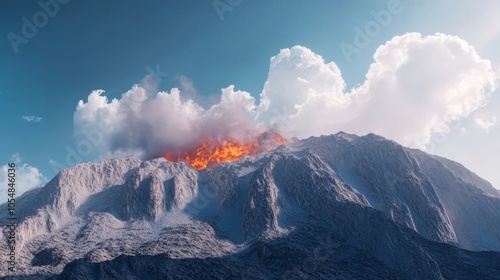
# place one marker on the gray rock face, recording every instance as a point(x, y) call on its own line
point(385, 211)
point(438, 198)
point(46, 257)
point(307, 253)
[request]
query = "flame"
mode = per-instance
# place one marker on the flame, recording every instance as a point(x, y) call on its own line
point(213, 153)
point(278, 139)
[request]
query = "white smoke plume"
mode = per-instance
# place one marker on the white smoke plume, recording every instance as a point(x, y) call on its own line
point(417, 86)
point(149, 124)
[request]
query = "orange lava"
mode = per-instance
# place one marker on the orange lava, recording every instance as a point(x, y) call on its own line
point(278, 139)
point(213, 153)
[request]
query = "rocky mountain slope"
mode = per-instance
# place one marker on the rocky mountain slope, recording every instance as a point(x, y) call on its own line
point(331, 207)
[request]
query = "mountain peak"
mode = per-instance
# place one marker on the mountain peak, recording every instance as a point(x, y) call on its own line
point(368, 190)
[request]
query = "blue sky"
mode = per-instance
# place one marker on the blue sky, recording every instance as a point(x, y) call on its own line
point(110, 45)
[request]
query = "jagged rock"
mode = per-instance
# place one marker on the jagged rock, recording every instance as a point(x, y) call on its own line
point(385, 205)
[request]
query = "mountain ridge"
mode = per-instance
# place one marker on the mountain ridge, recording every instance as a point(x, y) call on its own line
point(344, 183)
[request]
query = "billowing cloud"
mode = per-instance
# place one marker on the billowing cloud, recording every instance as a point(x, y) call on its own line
point(486, 122)
point(148, 124)
point(186, 86)
point(26, 177)
point(416, 87)
point(31, 118)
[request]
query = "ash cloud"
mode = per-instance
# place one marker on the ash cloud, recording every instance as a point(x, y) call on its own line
point(416, 87)
point(148, 124)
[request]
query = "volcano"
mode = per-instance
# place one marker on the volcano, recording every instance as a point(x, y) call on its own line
point(331, 207)
point(211, 153)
